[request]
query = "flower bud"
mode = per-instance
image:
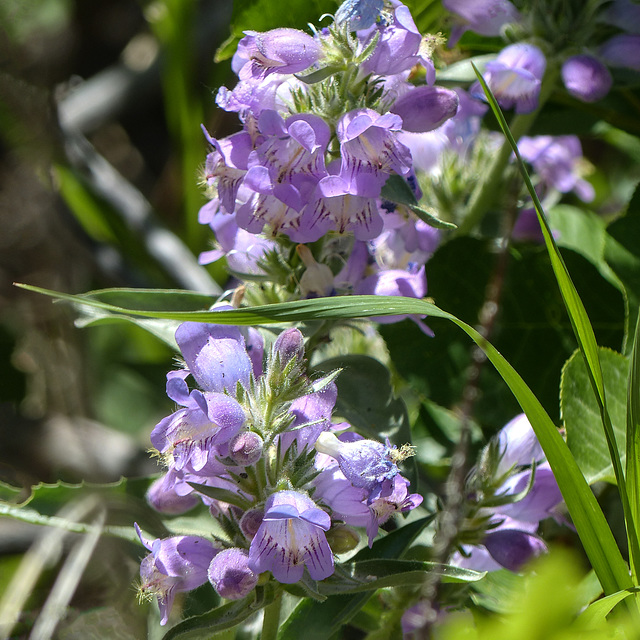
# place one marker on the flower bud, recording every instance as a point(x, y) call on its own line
point(622, 50)
point(289, 345)
point(245, 448)
point(586, 78)
point(230, 575)
point(425, 108)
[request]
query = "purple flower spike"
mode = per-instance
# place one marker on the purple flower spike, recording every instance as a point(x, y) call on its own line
point(485, 17)
point(513, 549)
point(586, 78)
point(282, 51)
point(230, 575)
point(622, 50)
point(215, 354)
point(515, 77)
point(174, 564)
point(290, 537)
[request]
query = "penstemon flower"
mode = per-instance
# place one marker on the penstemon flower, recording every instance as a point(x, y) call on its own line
point(323, 117)
point(244, 444)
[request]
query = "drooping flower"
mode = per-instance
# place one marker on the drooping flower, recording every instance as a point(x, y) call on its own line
point(282, 51)
point(515, 77)
point(175, 564)
point(399, 46)
point(291, 537)
point(425, 108)
point(485, 17)
point(586, 78)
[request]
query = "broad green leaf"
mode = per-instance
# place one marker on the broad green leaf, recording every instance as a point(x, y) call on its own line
point(581, 415)
point(369, 575)
point(585, 512)
point(204, 626)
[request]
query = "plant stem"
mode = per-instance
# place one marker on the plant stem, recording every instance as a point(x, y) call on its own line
point(271, 620)
point(485, 193)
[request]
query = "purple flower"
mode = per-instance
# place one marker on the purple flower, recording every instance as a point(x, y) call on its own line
point(370, 150)
point(398, 47)
point(512, 548)
point(216, 355)
point(558, 162)
point(486, 17)
point(335, 206)
point(174, 564)
point(352, 502)
point(586, 78)
point(290, 537)
point(163, 497)
point(226, 166)
point(283, 51)
point(425, 108)
point(293, 150)
point(623, 14)
point(515, 77)
point(243, 250)
point(366, 464)
point(230, 575)
point(623, 50)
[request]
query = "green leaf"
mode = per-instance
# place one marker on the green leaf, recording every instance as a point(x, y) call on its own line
point(369, 575)
point(124, 501)
point(596, 613)
point(581, 415)
point(396, 189)
point(633, 429)
point(203, 627)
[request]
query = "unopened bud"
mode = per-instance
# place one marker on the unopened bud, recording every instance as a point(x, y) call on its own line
point(230, 575)
point(245, 448)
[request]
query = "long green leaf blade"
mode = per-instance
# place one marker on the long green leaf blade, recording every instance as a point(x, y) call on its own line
point(633, 435)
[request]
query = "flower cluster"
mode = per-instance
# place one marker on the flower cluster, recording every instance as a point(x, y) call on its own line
point(510, 492)
point(255, 443)
point(327, 119)
point(516, 74)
